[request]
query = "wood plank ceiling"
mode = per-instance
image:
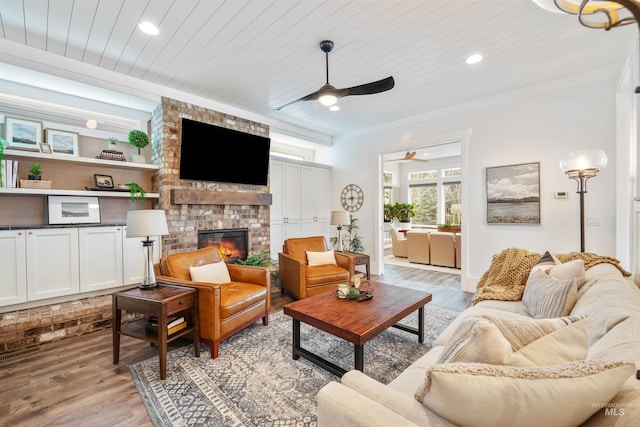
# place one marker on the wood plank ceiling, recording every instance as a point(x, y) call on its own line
point(259, 54)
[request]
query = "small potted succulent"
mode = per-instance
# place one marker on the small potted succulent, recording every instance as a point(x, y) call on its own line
point(35, 172)
point(138, 139)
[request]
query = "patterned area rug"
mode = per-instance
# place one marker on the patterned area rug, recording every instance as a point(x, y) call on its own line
point(255, 382)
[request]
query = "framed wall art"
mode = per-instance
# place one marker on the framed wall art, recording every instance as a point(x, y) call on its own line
point(73, 210)
point(45, 148)
point(23, 134)
point(103, 181)
point(513, 194)
point(62, 142)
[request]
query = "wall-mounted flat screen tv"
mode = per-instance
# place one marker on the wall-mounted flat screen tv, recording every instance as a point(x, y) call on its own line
point(214, 153)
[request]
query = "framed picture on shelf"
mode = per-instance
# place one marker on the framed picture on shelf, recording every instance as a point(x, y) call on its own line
point(103, 181)
point(73, 210)
point(513, 194)
point(23, 134)
point(45, 148)
point(62, 142)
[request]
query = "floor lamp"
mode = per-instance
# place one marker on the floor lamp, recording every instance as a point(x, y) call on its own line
point(147, 223)
point(580, 166)
point(339, 218)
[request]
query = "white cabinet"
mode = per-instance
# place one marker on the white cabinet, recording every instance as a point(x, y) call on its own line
point(300, 202)
point(52, 263)
point(13, 267)
point(133, 257)
point(100, 257)
point(314, 201)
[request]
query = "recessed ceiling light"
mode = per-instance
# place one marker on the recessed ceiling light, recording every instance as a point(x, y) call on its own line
point(334, 108)
point(91, 124)
point(148, 28)
point(474, 59)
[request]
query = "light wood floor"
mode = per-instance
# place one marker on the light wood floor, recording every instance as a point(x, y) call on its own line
point(73, 382)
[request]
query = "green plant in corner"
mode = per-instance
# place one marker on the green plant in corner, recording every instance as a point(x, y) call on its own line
point(3, 144)
point(113, 140)
point(138, 139)
point(137, 193)
point(262, 259)
point(350, 240)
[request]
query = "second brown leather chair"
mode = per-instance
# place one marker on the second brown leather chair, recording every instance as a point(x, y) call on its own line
point(302, 280)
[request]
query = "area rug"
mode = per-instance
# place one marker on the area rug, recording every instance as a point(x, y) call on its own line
point(255, 381)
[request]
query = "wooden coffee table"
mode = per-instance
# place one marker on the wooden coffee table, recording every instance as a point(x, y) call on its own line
point(354, 321)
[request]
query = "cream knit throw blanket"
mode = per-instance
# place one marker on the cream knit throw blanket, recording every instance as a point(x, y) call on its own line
point(509, 270)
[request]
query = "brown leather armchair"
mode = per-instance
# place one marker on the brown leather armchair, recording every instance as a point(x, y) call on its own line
point(224, 308)
point(302, 280)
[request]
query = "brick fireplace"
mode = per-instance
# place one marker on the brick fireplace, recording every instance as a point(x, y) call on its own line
point(193, 206)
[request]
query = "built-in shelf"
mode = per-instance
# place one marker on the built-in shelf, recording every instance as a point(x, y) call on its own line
point(62, 192)
point(78, 160)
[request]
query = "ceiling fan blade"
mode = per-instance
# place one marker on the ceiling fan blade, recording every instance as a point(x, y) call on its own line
point(311, 97)
point(419, 160)
point(371, 88)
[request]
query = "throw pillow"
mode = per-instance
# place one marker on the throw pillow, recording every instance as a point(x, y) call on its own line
point(545, 262)
point(567, 270)
point(211, 273)
point(545, 296)
point(321, 258)
point(518, 342)
point(494, 395)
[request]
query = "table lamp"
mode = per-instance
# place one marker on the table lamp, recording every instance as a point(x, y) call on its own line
point(146, 223)
point(339, 218)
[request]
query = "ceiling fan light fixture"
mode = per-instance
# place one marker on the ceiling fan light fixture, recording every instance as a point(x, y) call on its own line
point(148, 28)
point(474, 59)
point(328, 100)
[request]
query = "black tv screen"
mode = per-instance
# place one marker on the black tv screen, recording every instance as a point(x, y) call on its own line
point(213, 153)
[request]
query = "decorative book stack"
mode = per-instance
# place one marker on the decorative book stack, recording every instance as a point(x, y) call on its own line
point(174, 324)
point(112, 155)
point(9, 173)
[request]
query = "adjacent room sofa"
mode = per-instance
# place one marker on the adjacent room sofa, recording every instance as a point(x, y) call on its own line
point(239, 300)
point(607, 307)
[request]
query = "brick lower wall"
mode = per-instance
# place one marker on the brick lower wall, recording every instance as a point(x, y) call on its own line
point(23, 329)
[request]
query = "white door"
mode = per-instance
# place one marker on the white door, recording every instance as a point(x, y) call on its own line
point(52, 263)
point(100, 258)
point(13, 267)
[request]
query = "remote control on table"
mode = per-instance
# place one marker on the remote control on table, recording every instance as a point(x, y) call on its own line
point(364, 297)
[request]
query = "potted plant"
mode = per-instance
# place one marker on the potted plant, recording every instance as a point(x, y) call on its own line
point(449, 227)
point(137, 193)
point(404, 212)
point(262, 259)
point(387, 212)
point(111, 143)
point(138, 139)
point(35, 172)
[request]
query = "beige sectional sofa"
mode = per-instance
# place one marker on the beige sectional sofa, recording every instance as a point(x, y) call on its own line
point(611, 302)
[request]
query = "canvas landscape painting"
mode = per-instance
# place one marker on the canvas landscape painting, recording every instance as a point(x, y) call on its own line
point(513, 194)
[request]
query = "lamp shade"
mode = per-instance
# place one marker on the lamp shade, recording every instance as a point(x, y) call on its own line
point(339, 218)
point(584, 160)
point(150, 222)
point(573, 6)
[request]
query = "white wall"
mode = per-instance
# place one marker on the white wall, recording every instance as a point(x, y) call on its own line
point(534, 125)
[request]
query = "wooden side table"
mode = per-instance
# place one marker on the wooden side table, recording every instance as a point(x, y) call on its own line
point(360, 259)
point(161, 302)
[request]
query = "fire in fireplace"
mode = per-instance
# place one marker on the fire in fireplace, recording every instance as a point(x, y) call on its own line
point(231, 243)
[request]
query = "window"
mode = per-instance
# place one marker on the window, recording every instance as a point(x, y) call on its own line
point(414, 176)
point(387, 194)
point(452, 196)
point(387, 178)
point(451, 172)
point(425, 198)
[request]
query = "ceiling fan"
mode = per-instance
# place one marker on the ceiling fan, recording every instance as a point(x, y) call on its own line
point(411, 155)
point(328, 95)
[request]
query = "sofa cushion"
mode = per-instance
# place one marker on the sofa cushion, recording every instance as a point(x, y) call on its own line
point(545, 296)
point(211, 273)
point(321, 258)
point(518, 342)
point(522, 396)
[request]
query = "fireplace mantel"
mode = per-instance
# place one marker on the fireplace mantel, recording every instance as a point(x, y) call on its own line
point(188, 196)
